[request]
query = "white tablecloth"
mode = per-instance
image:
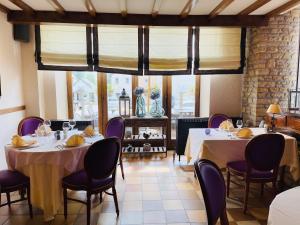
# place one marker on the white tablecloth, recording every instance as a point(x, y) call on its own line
point(221, 149)
point(285, 208)
point(46, 165)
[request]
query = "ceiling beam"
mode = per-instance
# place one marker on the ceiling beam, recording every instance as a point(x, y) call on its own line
point(284, 8)
point(186, 9)
point(17, 16)
point(4, 9)
point(254, 6)
point(123, 7)
point(57, 6)
point(156, 8)
point(22, 5)
point(90, 7)
point(220, 8)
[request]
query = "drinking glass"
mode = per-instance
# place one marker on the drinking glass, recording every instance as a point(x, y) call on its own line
point(47, 123)
point(66, 126)
point(72, 124)
point(239, 124)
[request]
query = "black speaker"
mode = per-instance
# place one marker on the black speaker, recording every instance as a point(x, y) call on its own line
point(21, 32)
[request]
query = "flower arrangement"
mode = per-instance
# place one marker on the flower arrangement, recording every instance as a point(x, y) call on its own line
point(138, 91)
point(155, 94)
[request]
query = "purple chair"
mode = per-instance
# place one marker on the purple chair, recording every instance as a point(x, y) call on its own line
point(11, 181)
point(214, 191)
point(263, 155)
point(98, 175)
point(215, 120)
point(115, 127)
point(28, 125)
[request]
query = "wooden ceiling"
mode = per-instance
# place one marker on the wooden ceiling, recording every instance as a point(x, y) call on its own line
point(147, 12)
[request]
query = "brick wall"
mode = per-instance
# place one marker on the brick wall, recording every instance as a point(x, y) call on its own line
point(271, 65)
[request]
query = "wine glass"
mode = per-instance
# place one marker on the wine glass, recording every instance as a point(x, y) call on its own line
point(239, 124)
point(72, 124)
point(66, 126)
point(47, 123)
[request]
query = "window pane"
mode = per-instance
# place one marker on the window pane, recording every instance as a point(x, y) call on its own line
point(183, 99)
point(85, 98)
point(115, 85)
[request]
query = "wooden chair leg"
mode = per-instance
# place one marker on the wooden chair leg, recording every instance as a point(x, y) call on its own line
point(224, 218)
point(228, 182)
point(246, 196)
point(8, 198)
point(274, 185)
point(122, 169)
point(262, 189)
point(101, 197)
point(115, 200)
point(29, 202)
point(65, 193)
point(88, 208)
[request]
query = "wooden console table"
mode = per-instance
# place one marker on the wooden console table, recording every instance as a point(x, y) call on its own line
point(158, 141)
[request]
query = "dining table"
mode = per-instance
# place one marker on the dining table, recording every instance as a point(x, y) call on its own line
point(222, 147)
point(285, 208)
point(46, 162)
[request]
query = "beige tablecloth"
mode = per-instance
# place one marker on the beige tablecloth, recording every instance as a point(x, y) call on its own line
point(285, 208)
point(46, 165)
point(221, 149)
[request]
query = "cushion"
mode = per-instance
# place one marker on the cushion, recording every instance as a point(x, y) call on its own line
point(241, 167)
point(10, 178)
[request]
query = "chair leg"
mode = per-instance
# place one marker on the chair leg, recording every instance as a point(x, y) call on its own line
point(101, 198)
point(65, 193)
point(274, 185)
point(122, 169)
point(224, 218)
point(29, 202)
point(262, 189)
point(246, 196)
point(115, 200)
point(88, 208)
point(228, 182)
point(8, 198)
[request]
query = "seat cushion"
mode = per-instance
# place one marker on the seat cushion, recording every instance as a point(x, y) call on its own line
point(79, 181)
point(10, 178)
point(241, 167)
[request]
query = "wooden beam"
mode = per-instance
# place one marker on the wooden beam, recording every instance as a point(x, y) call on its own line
point(123, 8)
point(254, 6)
point(90, 7)
point(22, 5)
point(186, 9)
point(156, 8)
point(220, 8)
point(70, 95)
point(12, 109)
point(4, 9)
point(18, 16)
point(57, 6)
point(284, 8)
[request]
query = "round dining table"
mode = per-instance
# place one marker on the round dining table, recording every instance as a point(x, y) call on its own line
point(285, 208)
point(46, 163)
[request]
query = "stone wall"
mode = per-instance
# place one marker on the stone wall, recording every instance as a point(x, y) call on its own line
point(271, 65)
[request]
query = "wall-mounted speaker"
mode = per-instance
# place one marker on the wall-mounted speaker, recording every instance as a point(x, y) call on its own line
point(21, 32)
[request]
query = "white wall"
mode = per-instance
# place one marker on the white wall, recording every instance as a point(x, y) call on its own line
point(11, 84)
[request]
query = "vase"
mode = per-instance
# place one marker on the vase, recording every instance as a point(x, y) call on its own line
point(156, 109)
point(140, 108)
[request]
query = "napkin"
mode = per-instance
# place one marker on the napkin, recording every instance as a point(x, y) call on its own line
point(75, 140)
point(244, 133)
point(226, 125)
point(18, 141)
point(89, 131)
point(43, 130)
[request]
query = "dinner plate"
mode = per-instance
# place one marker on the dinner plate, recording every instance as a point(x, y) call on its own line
point(29, 144)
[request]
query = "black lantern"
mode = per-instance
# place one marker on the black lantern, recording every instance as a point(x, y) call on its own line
point(124, 104)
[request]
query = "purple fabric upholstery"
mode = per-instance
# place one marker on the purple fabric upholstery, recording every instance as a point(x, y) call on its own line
point(9, 178)
point(29, 125)
point(115, 128)
point(241, 167)
point(216, 120)
point(214, 191)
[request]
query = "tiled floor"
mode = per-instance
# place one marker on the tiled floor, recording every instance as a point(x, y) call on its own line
point(155, 191)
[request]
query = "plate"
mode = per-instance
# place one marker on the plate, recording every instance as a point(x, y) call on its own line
point(251, 136)
point(29, 144)
point(71, 146)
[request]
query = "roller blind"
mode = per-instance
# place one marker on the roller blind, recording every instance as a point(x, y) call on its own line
point(219, 48)
point(169, 48)
point(63, 45)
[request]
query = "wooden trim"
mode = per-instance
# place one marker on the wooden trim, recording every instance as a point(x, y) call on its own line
point(285, 7)
point(197, 95)
point(123, 8)
point(169, 108)
point(12, 109)
point(27, 8)
point(156, 8)
point(4, 9)
point(102, 102)
point(186, 9)
point(220, 8)
point(90, 7)
point(17, 16)
point(70, 94)
point(254, 6)
point(57, 6)
point(134, 85)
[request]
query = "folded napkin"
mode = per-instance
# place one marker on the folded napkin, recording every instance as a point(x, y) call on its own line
point(17, 141)
point(244, 133)
point(89, 131)
point(226, 125)
point(43, 130)
point(75, 140)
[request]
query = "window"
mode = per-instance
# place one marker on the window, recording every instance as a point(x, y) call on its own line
point(115, 85)
point(85, 97)
point(183, 99)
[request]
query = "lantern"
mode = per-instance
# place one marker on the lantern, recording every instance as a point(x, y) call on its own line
point(124, 104)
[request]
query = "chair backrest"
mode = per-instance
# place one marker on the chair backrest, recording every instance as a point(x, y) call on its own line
point(213, 189)
point(115, 127)
point(215, 120)
point(264, 152)
point(101, 158)
point(28, 125)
